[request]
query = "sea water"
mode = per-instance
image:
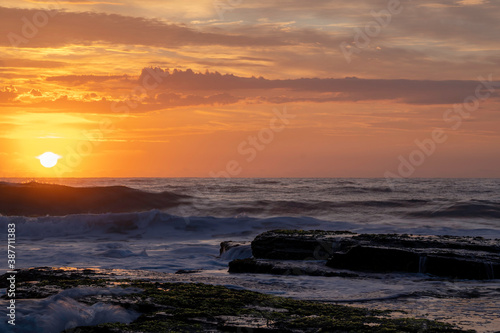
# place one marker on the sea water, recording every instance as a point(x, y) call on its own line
point(187, 237)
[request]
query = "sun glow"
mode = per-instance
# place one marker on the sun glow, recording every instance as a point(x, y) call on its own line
point(49, 159)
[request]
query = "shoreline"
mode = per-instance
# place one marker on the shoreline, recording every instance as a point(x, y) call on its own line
point(147, 305)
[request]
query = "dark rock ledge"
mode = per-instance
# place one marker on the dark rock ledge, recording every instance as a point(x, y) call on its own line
point(196, 307)
point(444, 256)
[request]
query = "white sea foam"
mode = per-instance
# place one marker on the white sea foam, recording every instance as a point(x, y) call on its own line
point(237, 252)
point(63, 311)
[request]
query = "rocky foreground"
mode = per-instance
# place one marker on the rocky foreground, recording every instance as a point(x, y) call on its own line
point(108, 302)
point(128, 305)
point(343, 253)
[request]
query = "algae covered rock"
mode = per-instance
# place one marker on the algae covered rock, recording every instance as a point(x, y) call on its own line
point(195, 307)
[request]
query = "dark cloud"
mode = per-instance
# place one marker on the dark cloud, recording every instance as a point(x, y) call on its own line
point(164, 89)
point(346, 89)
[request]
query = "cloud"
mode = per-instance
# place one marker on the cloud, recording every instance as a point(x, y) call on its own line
point(36, 92)
point(81, 79)
point(454, 42)
point(64, 28)
point(11, 62)
point(345, 89)
point(75, 2)
point(448, 26)
point(471, 2)
point(7, 94)
point(160, 89)
point(91, 104)
point(173, 99)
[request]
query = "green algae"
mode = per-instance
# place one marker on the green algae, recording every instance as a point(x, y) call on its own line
point(184, 307)
point(196, 307)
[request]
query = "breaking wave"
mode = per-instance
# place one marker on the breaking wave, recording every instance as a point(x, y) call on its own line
point(156, 224)
point(38, 199)
point(64, 311)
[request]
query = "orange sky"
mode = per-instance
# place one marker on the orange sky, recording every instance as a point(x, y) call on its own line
point(250, 88)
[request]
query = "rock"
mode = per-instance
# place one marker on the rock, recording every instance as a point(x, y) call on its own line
point(376, 259)
point(297, 244)
point(291, 267)
point(153, 306)
point(426, 242)
point(446, 256)
point(464, 268)
point(446, 264)
point(188, 271)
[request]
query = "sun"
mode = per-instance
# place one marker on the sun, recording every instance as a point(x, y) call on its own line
point(48, 159)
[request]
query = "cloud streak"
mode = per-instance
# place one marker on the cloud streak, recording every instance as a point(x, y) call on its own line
point(178, 88)
point(345, 89)
point(66, 28)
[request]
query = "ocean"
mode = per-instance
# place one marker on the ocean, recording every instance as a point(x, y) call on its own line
point(187, 236)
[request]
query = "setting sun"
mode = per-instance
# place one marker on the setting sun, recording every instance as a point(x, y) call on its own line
point(48, 159)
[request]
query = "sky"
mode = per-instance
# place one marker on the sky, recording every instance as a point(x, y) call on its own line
point(238, 88)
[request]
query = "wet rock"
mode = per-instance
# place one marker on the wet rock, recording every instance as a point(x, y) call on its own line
point(446, 256)
point(188, 271)
point(457, 264)
point(292, 267)
point(460, 267)
point(195, 307)
point(376, 259)
point(297, 244)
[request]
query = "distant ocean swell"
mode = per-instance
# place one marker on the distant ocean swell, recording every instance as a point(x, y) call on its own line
point(36, 199)
point(471, 209)
point(402, 208)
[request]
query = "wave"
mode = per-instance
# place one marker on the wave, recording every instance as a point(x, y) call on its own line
point(284, 207)
point(389, 207)
point(148, 225)
point(38, 199)
point(64, 311)
point(259, 181)
point(157, 224)
point(359, 189)
point(473, 208)
point(237, 252)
